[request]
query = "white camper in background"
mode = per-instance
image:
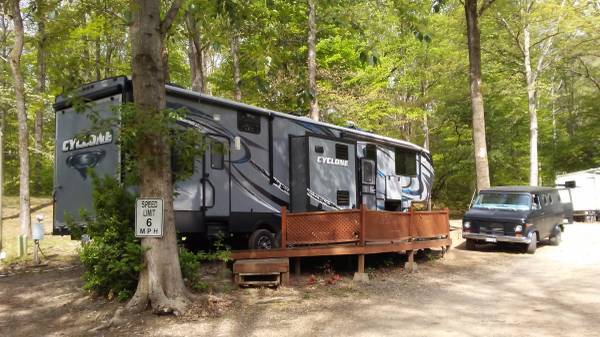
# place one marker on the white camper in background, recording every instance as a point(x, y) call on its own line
point(585, 194)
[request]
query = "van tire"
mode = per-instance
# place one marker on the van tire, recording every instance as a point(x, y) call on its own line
point(555, 238)
point(532, 246)
point(262, 239)
point(470, 244)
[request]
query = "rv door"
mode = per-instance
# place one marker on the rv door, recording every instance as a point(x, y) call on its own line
point(215, 181)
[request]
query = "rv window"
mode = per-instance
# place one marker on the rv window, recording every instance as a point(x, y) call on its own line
point(343, 198)
point(406, 162)
point(341, 151)
point(371, 152)
point(217, 155)
point(247, 122)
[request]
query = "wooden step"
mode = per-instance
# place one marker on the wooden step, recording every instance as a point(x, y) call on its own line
point(270, 272)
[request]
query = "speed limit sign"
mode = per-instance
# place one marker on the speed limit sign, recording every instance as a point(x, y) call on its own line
point(148, 217)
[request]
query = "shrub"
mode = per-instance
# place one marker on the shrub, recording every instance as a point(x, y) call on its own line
point(112, 259)
point(190, 263)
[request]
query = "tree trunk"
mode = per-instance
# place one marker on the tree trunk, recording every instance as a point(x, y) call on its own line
point(15, 66)
point(2, 115)
point(236, 66)
point(312, 60)
point(41, 90)
point(160, 282)
point(196, 56)
point(479, 142)
point(532, 106)
point(97, 56)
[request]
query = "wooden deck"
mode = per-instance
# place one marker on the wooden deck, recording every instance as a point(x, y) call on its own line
point(356, 232)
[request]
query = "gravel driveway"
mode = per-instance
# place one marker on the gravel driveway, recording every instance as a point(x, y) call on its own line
point(495, 291)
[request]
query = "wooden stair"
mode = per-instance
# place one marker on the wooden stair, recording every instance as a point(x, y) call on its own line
point(262, 272)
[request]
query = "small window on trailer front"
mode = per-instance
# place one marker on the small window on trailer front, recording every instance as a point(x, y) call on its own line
point(247, 122)
point(341, 151)
point(406, 162)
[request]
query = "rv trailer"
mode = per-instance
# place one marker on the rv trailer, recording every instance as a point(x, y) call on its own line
point(584, 193)
point(256, 162)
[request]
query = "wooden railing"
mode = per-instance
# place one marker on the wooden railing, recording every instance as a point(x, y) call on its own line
point(361, 226)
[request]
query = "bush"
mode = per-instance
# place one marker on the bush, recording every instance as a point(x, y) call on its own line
point(190, 263)
point(113, 258)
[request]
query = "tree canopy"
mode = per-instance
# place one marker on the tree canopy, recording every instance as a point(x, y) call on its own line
point(393, 67)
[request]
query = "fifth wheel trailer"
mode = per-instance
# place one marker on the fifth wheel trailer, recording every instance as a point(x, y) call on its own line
point(256, 162)
point(585, 194)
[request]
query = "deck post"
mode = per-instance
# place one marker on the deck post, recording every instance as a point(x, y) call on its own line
point(283, 243)
point(410, 266)
point(411, 225)
point(361, 263)
point(360, 275)
point(297, 270)
point(363, 218)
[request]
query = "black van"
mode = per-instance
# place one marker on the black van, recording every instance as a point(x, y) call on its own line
point(517, 214)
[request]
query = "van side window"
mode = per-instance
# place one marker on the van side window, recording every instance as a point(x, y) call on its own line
point(536, 202)
point(545, 199)
point(550, 201)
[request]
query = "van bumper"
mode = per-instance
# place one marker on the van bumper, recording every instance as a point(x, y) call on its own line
point(497, 238)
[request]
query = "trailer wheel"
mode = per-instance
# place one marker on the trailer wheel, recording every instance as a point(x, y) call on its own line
point(262, 239)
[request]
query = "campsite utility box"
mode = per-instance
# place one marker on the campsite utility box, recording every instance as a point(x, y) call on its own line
point(325, 167)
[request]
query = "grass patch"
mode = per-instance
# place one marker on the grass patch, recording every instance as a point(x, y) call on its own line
point(58, 249)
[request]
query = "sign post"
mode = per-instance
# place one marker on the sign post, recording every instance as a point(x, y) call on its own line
point(149, 217)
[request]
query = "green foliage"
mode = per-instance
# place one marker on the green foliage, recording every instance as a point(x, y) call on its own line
point(191, 262)
point(385, 65)
point(112, 259)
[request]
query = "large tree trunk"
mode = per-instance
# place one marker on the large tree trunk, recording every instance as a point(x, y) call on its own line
point(196, 56)
point(235, 58)
point(41, 90)
point(532, 106)
point(479, 142)
point(312, 60)
point(15, 66)
point(160, 282)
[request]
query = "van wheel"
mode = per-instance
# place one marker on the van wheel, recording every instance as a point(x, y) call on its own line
point(470, 244)
point(555, 238)
point(532, 246)
point(262, 239)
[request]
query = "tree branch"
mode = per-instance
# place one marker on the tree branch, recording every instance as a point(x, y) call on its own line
point(514, 35)
point(544, 39)
point(486, 4)
point(166, 23)
point(588, 74)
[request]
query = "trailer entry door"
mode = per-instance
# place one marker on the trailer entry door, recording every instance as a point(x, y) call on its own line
point(216, 183)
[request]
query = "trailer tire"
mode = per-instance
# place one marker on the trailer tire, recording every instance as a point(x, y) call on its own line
point(262, 239)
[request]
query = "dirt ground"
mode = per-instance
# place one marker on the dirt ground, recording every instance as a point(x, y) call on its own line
point(495, 291)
